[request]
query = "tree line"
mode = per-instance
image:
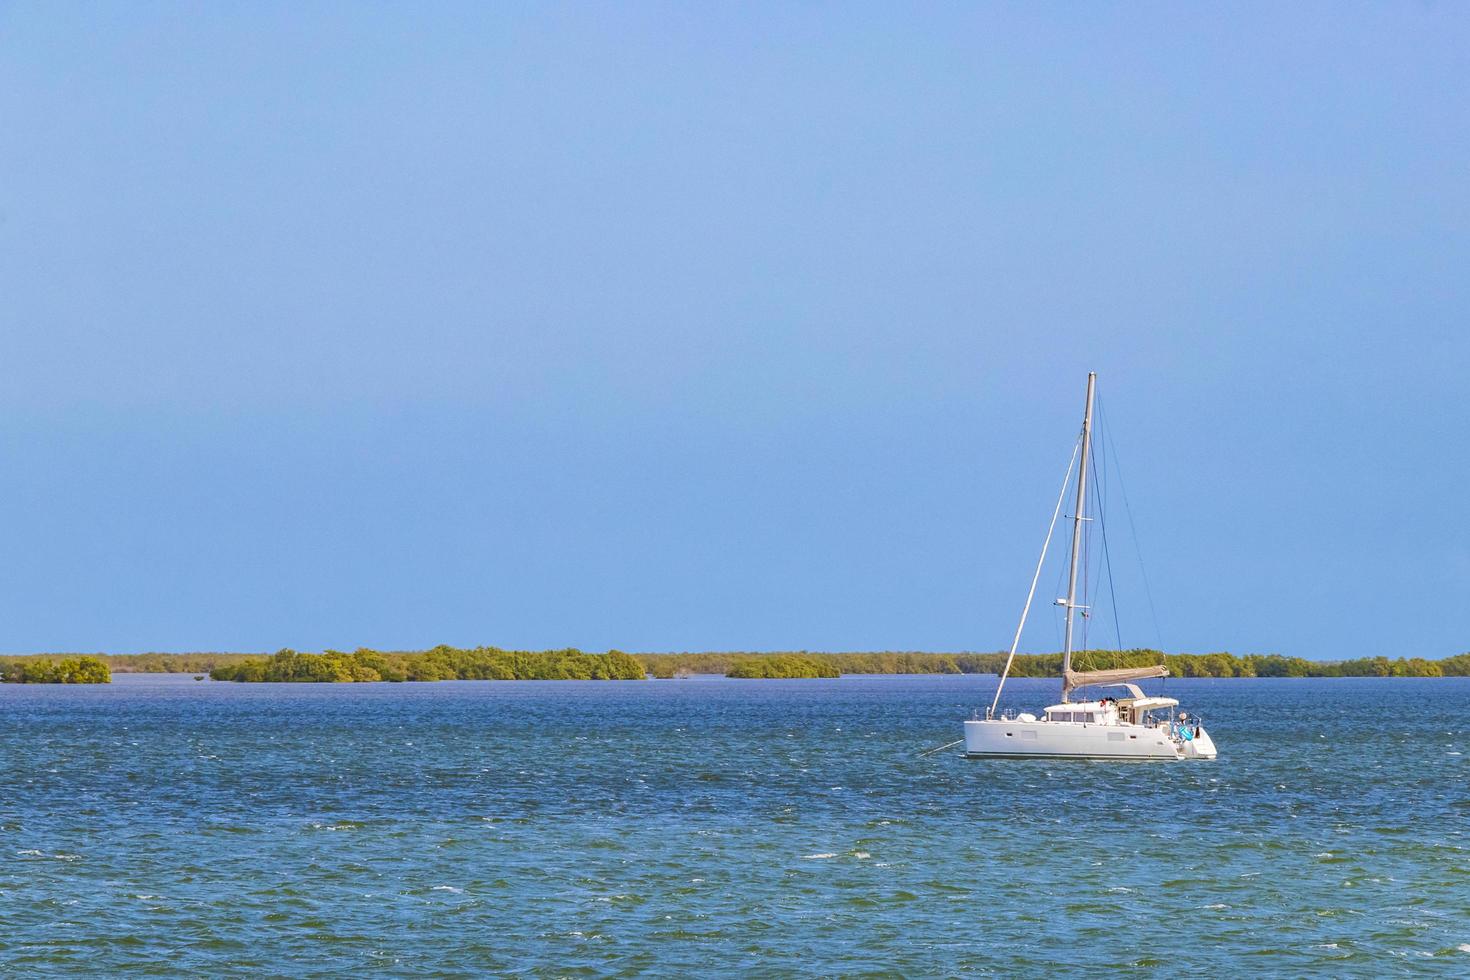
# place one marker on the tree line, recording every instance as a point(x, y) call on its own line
point(439, 664)
point(44, 670)
point(665, 665)
point(782, 667)
point(493, 663)
point(175, 663)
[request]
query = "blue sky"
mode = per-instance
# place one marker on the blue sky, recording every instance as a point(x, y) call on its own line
point(679, 326)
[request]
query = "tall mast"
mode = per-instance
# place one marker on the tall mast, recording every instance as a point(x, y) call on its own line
point(1078, 517)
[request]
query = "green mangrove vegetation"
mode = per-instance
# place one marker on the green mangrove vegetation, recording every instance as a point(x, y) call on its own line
point(1050, 664)
point(439, 664)
point(175, 663)
point(664, 665)
point(44, 670)
point(493, 663)
point(783, 666)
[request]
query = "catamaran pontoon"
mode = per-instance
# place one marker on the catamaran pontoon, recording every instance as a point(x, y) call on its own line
point(1132, 726)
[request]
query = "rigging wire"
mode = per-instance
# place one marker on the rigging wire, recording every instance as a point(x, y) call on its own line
point(1031, 594)
point(1133, 531)
point(1102, 524)
point(1137, 549)
point(1057, 616)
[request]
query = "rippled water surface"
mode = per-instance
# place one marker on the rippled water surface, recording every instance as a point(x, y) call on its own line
point(714, 826)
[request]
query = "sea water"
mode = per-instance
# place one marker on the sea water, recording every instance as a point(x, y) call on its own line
point(711, 826)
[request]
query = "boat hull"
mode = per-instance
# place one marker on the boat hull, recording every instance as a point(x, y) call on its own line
point(997, 738)
point(1200, 747)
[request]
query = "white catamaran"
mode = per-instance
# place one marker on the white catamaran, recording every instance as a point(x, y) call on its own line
point(1130, 726)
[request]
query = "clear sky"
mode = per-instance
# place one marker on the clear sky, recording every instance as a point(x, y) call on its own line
point(741, 326)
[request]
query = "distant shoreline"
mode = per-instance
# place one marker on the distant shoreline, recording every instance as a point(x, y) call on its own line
point(492, 663)
point(127, 677)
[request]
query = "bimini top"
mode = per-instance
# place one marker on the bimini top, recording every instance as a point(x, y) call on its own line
point(1148, 704)
point(1134, 693)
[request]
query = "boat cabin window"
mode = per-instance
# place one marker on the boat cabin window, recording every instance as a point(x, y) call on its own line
point(1084, 716)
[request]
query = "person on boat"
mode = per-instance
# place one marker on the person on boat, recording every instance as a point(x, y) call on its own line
point(1184, 730)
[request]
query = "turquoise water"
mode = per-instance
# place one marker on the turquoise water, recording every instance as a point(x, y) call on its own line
point(714, 826)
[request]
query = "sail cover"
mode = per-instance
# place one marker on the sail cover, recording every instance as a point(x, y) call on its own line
point(1082, 678)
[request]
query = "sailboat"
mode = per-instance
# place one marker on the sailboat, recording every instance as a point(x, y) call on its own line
point(1128, 726)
